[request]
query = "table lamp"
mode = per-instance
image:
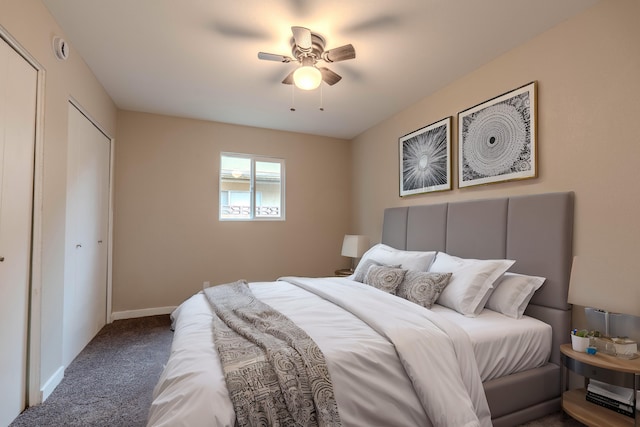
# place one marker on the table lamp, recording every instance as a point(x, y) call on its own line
point(595, 286)
point(354, 246)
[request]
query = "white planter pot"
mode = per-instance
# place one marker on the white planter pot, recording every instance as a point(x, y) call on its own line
point(579, 343)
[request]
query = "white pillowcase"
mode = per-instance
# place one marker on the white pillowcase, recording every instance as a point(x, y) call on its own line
point(512, 294)
point(382, 254)
point(471, 282)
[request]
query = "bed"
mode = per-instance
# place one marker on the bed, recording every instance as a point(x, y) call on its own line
point(503, 378)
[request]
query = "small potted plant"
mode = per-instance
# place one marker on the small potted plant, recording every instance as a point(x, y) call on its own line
point(581, 339)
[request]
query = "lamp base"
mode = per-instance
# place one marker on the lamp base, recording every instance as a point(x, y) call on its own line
point(619, 325)
point(621, 332)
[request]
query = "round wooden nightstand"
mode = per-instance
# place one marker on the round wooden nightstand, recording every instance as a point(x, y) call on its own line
point(343, 272)
point(602, 367)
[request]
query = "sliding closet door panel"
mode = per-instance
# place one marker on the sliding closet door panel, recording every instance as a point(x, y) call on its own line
point(87, 233)
point(18, 82)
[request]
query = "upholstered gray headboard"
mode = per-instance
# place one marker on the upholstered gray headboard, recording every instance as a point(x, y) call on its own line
point(534, 230)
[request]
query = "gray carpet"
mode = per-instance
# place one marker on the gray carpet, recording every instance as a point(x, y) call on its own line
point(111, 381)
point(555, 420)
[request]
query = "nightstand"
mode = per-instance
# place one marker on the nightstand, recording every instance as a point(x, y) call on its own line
point(601, 367)
point(343, 272)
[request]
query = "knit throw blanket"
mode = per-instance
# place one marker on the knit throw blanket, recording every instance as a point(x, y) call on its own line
point(275, 373)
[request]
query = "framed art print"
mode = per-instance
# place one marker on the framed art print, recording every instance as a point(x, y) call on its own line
point(497, 139)
point(425, 159)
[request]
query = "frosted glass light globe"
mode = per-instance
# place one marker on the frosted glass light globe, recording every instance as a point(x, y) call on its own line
point(307, 77)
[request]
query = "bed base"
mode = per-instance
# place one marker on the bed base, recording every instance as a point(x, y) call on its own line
point(525, 396)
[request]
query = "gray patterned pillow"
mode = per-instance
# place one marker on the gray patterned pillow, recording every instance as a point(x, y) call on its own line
point(385, 278)
point(423, 288)
point(361, 270)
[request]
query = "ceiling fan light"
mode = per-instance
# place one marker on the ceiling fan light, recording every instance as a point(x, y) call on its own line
point(307, 77)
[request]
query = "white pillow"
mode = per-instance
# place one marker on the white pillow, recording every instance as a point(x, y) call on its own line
point(512, 294)
point(471, 282)
point(382, 254)
point(408, 260)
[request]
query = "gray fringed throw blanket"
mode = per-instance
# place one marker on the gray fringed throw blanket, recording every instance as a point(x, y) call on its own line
point(275, 373)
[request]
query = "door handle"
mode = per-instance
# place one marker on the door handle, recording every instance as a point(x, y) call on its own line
point(78, 246)
point(99, 241)
point(1, 259)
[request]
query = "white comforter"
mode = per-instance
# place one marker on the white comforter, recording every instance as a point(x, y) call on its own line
point(392, 362)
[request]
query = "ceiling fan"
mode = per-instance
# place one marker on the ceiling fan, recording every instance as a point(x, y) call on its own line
point(307, 48)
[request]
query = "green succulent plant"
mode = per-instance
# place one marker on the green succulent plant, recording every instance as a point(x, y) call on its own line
point(585, 333)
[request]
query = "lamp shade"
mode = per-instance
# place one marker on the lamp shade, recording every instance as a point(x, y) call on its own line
point(354, 246)
point(307, 77)
point(593, 284)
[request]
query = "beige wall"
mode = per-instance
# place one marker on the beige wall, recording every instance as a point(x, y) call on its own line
point(168, 239)
point(31, 25)
point(167, 236)
point(588, 73)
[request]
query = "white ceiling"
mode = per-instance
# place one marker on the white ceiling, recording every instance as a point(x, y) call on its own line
point(198, 58)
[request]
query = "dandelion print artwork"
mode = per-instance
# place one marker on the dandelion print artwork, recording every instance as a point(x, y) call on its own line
point(497, 139)
point(425, 159)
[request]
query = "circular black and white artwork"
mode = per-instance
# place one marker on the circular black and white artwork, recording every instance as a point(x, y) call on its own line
point(496, 142)
point(425, 159)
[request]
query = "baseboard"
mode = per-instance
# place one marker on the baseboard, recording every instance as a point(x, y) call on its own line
point(51, 384)
point(132, 314)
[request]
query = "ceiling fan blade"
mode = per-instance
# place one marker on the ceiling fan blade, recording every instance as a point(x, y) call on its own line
point(300, 7)
point(341, 53)
point(237, 31)
point(302, 37)
point(289, 79)
point(328, 76)
point(273, 57)
point(381, 22)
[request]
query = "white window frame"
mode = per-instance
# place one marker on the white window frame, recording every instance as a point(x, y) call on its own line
point(252, 196)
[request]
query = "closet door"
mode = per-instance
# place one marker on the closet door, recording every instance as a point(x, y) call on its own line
point(18, 82)
point(85, 310)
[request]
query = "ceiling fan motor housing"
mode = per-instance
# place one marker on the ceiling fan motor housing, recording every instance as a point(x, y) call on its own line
point(317, 47)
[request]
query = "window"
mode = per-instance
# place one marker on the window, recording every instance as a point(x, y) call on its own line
point(251, 187)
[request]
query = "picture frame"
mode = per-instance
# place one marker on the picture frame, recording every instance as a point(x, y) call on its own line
point(425, 159)
point(497, 139)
